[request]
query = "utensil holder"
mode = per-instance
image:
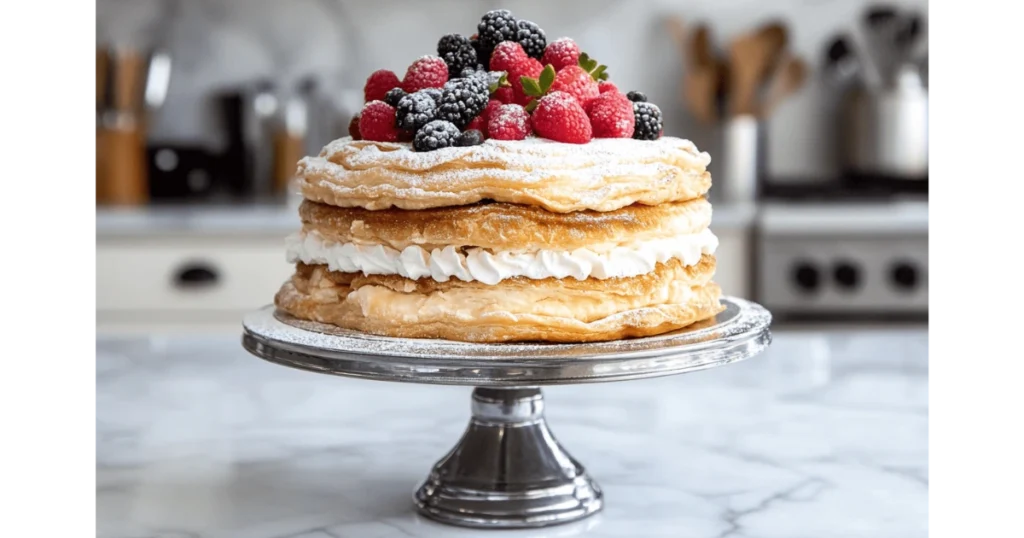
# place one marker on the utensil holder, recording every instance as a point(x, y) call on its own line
point(742, 143)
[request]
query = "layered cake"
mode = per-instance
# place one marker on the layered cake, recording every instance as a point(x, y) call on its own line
point(504, 190)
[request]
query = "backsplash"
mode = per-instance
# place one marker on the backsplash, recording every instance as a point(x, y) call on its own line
point(219, 44)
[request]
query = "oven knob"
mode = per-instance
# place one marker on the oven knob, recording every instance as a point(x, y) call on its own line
point(904, 275)
point(847, 275)
point(805, 276)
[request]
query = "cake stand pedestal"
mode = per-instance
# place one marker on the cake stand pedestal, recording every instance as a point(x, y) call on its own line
point(507, 471)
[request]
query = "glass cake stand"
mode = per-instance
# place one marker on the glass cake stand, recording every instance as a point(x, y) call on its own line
point(507, 471)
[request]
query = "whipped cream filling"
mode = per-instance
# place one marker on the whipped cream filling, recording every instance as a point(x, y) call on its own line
point(488, 267)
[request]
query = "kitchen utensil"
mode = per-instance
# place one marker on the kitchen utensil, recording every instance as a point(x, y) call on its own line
point(742, 159)
point(841, 63)
point(751, 58)
point(886, 130)
point(880, 24)
point(261, 109)
point(703, 77)
point(789, 76)
point(123, 135)
point(507, 471)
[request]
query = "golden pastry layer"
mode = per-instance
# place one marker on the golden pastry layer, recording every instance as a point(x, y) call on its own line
point(671, 297)
point(602, 175)
point(500, 226)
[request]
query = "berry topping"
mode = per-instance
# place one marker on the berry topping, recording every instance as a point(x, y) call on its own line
point(436, 135)
point(458, 53)
point(353, 128)
point(462, 100)
point(637, 97)
point(479, 123)
point(497, 26)
point(492, 106)
point(377, 122)
point(393, 96)
point(509, 122)
point(435, 93)
point(611, 116)
point(648, 121)
point(560, 117)
point(508, 56)
point(427, 72)
point(415, 110)
point(560, 53)
point(378, 84)
point(504, 94)
point(472, 137)
point(577, 82)
point(532, 38)
point(531, 69)
point(605, 86)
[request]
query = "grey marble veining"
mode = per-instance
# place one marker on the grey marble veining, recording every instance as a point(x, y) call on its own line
point(825, 435)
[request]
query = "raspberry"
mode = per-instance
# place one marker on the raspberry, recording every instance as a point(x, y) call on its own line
point(378, 84)
point(427, 72)
point(462, 100)
point(636, 97)
point(561, 53)
point(605, 86)
point(509, 122)
point(532, 38)
point(415, 110)
point(479, 123)
point(377, 122)
point(496, 26)
point(505, 94)
point(611, 116)
point(648, 121)
point(353, 128)
point(393, 96)
point(560, 117)
point(492, 105)
point(436, 135)
point(472, 137)
point(577, 82)
point(457, 52)
point(508, 56)
point(532, 69)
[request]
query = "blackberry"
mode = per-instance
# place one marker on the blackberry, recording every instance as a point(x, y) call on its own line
point(532, 38)
point(471, 137)
point(434, 93)
point(483, 54)
point(462, 100)
point(457, 52)
point(415, 110)
point(648, 121)
point(497, 26)
point(637, 97)
point(393, 96)
point(436, 135)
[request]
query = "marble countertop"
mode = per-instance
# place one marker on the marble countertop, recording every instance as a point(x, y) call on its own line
point(824, 435)
point(276, 219)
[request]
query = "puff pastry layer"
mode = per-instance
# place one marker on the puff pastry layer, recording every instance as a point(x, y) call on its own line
point(602, 175)
point(671, 297)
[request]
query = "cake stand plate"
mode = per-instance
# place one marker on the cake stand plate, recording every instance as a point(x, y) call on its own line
point(507, 471)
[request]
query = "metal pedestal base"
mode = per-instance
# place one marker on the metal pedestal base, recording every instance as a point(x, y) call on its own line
point(508, 470)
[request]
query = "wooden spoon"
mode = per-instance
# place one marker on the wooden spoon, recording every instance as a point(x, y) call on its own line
point(751, 58)
point(787, 79)
point(703, 77)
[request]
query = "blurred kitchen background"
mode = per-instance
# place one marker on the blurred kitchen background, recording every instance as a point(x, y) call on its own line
point(815, 113)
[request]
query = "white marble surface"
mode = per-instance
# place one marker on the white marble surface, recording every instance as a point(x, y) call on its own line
point(825, 435)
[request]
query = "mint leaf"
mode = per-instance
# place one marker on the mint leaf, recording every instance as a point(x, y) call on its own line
point(547, 77)
point(598, 72)
point(604, 75)
point(531, 105)
point(503, 81)
point(531, 86)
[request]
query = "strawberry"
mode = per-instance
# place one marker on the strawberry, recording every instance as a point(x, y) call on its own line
point(377, 122)
point(611, 116)
point(509, 122)
point(560, 117)
point(427, 72)
point(605, 86)
point(577, 82)
point(379, 83)
point(561, 53)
